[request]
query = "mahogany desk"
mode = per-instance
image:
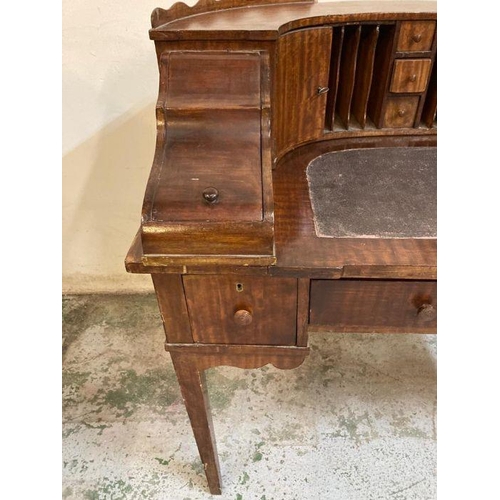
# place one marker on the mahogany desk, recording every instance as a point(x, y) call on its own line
point(250, 94)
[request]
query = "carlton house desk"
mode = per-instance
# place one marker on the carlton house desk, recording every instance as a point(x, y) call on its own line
point(293, 186)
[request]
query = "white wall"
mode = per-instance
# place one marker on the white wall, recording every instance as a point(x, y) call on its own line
point(109, 90)
point(110, 81)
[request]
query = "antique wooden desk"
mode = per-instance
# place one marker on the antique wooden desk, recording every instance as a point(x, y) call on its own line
point(245, 256)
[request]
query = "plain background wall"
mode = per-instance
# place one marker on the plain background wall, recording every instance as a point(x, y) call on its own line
point(110, 83)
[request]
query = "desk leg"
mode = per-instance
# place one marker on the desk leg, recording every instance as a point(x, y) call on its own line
point(193, 387)
point(191, 360)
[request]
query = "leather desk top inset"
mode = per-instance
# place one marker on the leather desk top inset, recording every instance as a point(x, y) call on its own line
point(376, 193)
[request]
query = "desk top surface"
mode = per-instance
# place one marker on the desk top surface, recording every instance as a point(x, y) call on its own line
point(285, 241)
point(301, 252)
point(268, 21)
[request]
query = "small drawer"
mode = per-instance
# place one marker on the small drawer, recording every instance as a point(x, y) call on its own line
point(374, 305)
point(246, 310)
point(400, 112)
point(410, 75)
point(416, 36)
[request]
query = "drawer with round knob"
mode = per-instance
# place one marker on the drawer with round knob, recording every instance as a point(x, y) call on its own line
point(390, 306)
point(400, 111)
point(416, 36)
point(410, 75)
point(246, 310)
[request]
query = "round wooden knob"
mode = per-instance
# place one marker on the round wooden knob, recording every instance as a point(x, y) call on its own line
point(417, 37)
point(401, 112)
point(211, 195)
point(243, 317)
point(412, 78)
point(427, 312)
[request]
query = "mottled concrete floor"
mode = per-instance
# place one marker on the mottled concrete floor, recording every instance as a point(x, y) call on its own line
point(356, 421)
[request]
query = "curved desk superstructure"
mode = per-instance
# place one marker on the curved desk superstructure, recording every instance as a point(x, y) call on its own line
point(250, 94)
point(268, 19)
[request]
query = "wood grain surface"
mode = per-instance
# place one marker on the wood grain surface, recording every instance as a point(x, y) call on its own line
point(400, 111)
point(364, 73)
point(228, 141)
point(347, 73)
point(180, 9)
point(301, 253)
point(416, 36)
point(271, 304)
point(302, 69)
point(173, 308)
point(271, 21)
point(373, 306)
point(410, 75)
point(245, 87)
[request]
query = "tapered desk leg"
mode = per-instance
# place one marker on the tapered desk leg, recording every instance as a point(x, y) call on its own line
point(190, 362)
point(193, 387)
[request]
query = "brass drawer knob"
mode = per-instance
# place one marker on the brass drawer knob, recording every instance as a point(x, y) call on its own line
point(243, 317)
point(401, 112)
point(427, 312)
point(417, 37)
point(412, 78)
point(211, 195)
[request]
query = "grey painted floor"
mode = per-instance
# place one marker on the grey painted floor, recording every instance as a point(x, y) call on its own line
point(356, 421)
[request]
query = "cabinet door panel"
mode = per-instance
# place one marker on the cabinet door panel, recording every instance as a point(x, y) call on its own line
point(301, 86)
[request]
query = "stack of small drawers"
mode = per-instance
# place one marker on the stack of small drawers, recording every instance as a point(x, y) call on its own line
point(414, 57)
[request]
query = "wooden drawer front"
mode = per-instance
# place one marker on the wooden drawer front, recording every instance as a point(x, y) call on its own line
point(374, 306)
point(242, 310)
point(410, 75)
point(400, 112)
point(416, 36)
